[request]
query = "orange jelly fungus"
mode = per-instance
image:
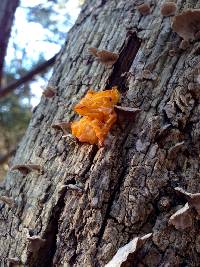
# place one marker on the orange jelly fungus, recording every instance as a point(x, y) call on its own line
point(97, 109)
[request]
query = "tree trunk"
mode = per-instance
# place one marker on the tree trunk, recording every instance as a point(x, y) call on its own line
point(7, 11)
point(129, 185)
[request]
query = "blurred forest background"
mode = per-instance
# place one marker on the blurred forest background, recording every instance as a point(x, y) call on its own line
point(38, 31)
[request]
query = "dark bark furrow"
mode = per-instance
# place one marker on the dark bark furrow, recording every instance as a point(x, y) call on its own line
point(127, 55)
point(116, 189)
point(44, 258)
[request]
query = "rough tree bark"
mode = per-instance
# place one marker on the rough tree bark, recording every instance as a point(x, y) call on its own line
point(128, 186)
point(7, 11)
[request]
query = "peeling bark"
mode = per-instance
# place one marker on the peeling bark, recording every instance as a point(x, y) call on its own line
point(128, 186)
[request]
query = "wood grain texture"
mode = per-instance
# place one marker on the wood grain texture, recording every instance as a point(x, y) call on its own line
point(127, 187)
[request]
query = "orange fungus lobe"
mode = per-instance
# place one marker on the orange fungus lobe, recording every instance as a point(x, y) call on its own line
point(97, 109)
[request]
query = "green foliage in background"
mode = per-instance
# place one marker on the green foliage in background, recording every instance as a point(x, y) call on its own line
point(14, 116)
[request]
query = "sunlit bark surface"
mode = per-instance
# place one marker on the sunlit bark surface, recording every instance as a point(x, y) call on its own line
point(90, 201)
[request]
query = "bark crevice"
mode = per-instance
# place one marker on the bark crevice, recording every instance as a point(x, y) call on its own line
point(113, 195)
point(127, 55)
point(45, 255)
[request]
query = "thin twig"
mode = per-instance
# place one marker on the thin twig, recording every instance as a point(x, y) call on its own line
point(27, 77)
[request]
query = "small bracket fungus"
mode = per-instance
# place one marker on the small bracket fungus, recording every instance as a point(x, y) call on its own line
point(182, 219)
point(193, 199)
point(7, 200)
point(104, 56)
point(127, 111)
point(49, 92)
point(123, 253)
point(35, 243)
point(97, 109)
point(24, 169)
point(168, 9)
point(144, 9)
point(62, 126)
point(27, 168)
point(187, 24)
point(35, 167)
point(107, 57)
